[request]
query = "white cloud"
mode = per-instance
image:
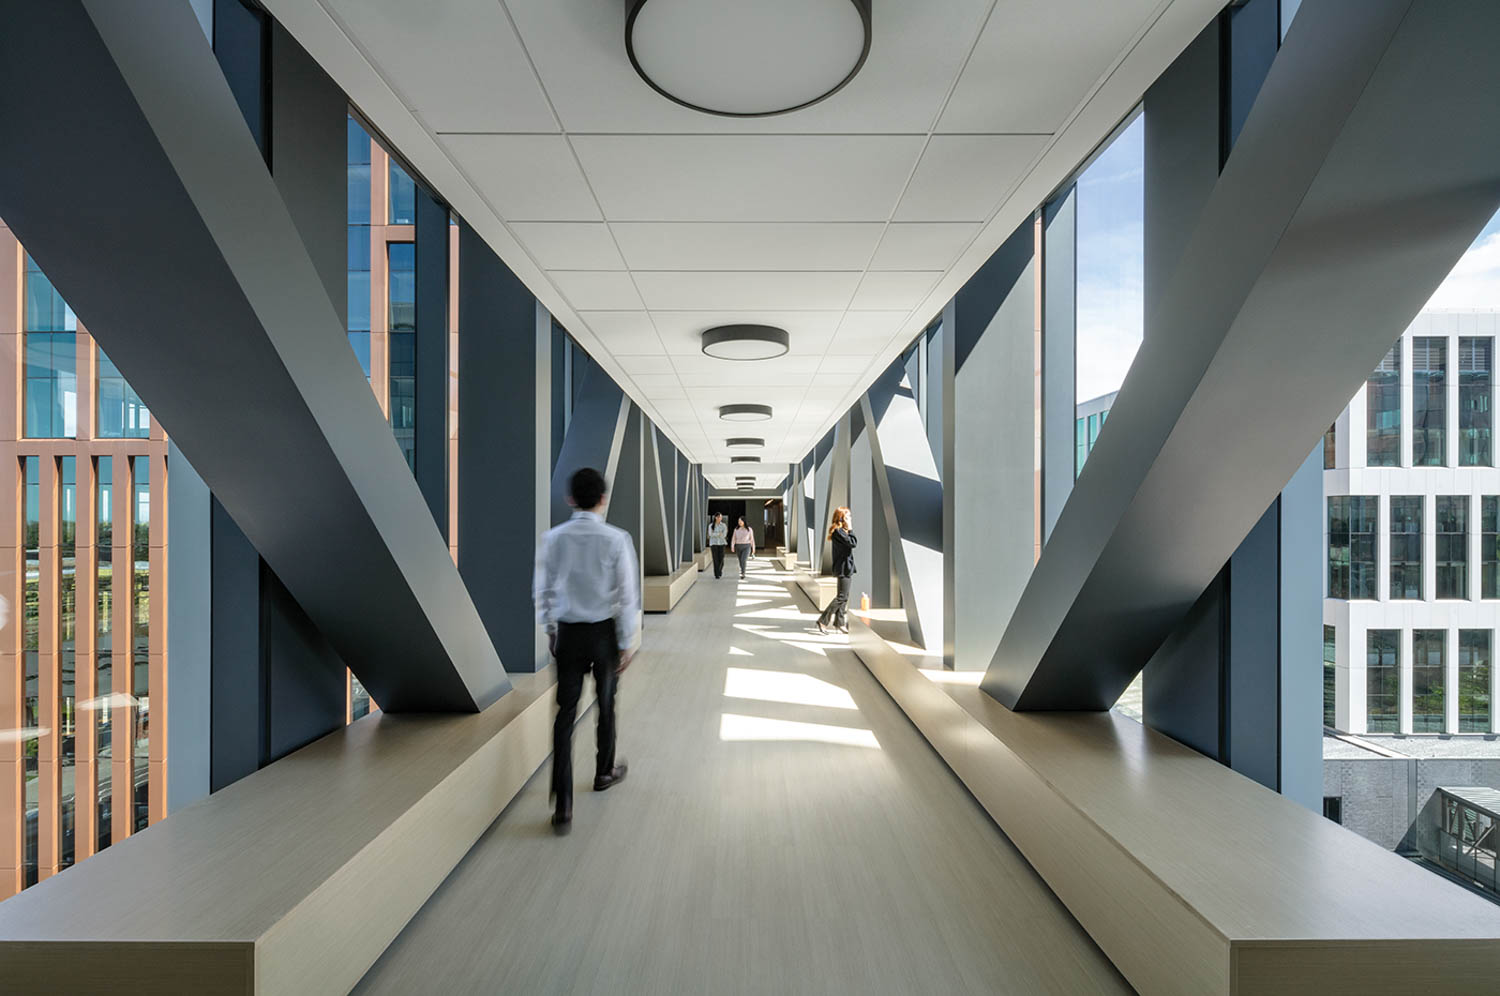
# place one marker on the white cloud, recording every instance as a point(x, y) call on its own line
point(1475, 281)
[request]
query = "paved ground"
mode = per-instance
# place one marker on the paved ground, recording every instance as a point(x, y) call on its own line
point(784, 829)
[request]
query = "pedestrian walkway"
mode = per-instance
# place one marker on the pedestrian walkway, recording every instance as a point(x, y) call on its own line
point(784, 829)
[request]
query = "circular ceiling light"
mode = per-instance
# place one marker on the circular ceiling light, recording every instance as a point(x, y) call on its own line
point(746, 342)
point(745, 442)
point(744, 413)
point(747, 60)
point(744, 459)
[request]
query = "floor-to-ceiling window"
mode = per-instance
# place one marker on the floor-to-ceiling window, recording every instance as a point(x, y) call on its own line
point(402, 310)
point(1406, 546)
point(1474, 680)
point(140, 640)
point(67, 685)
point(359, 243)
point(1429, 673)
point(104, 613)
point(1476, 400)
point(1383, 412)
point(1429, 401)
point(31, 628)
point(51, 364)
point(1489, 546)
point(1382, 680)
point(1452, 546)
point(1330, 675)
point(1110, 266)
point(1352, 546)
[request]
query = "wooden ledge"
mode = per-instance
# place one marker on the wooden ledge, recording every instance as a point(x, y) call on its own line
point(1191, 877)
point(293, 879)
point(704, 558)
point(819, 589)
point(662, 592)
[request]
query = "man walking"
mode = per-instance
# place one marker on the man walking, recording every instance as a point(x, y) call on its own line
point(718, 535)
point(588, 598)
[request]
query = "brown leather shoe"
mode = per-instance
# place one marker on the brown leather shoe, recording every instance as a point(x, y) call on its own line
point(615, 777)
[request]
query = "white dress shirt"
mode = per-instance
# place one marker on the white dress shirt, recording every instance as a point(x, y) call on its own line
point(586, 572)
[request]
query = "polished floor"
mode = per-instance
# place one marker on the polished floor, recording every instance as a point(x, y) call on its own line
point(783, 829)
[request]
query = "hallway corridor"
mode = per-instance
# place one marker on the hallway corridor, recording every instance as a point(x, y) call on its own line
point(784, 829)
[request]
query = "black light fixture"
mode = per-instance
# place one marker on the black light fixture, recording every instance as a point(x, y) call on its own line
point(746, 342)
point(747, 60)
point(744, 459)
point(744, 413)
point(744, 443)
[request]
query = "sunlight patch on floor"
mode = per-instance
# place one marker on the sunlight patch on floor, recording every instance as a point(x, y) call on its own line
point(737, 728)
point(785, 686)
point(737, 652)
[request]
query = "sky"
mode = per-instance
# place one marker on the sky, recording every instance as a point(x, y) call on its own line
point(1475, 281)
point(1111, 263)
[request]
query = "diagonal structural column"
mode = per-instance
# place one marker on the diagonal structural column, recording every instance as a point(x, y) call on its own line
point(837, 495)
point(595, 437)
point(911, 499)
point(656, 536)
point(145, 197)
point(1327, 230)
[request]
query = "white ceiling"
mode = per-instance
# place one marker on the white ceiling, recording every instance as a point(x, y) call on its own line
point(640, 223)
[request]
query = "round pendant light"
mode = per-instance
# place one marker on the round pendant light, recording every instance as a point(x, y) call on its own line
point(744, 442)
point(744, 459)
point(744, 413)
point(746, 342)
point(747, 60)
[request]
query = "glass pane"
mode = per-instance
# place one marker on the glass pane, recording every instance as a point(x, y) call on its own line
point(1406, 546)
point(1475, 400)
point(1429, 404)
point(1474, 680)
point(403, 196)
point(1429, 670)
point(1382, 679)
point(1452, 546)
point(1383, 402)
point(1110, 264)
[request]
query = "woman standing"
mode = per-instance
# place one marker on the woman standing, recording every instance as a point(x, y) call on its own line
point(743, 544)
point(841, 535)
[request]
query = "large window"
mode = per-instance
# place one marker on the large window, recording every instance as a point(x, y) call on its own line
point(51, 389)
point(1452, 554)
point(1330, 675)
point(103, 649)
point(67, 618)
point(1352, 543)
point(31, 629)
point(1429, 401)
point(1406, 546)
point(140, 625)
point(1475, 394)
point(403, 196)
point(1383, 408)
point(359, 243)
point(1489, 546)
point(1429, 672)
point(121, 414)
point(1382, 680)
point(1474, 680)
point(403, 346)
point(1110, 263)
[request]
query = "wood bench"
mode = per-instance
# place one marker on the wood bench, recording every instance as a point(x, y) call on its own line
point(819, 589)
point(293, 879)
point(1189, 876)
point(662, 592)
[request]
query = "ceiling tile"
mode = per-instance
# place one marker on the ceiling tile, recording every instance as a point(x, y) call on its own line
point(844, 363)
point(525, 177)
point(922, 245)
point(1021, 79)
point(657, 364)
point(748, 177)
point(601, 290)
point(810, 331)
point(964, 177)
point(894, 289)
point(572, 245)
point(623, 332)
point(448, 61)
point(747, 245)
point(793, 290)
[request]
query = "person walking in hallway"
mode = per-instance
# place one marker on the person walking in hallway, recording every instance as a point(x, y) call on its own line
point(743, 544)
point(587, 592)
point(718, 535)
point(841, 535)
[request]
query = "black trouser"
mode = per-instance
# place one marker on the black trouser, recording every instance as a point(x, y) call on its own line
point(718, 560)
point(581, 648)
point(744, 554)
point(838, 609)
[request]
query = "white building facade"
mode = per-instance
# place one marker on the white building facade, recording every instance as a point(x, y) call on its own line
point(1412, 496)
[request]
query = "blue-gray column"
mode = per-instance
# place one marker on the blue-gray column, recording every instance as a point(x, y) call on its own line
point(431, 463)
point(505, 449)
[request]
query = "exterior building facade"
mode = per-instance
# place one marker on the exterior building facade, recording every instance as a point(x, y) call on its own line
point(1412, 588)
point(83, 652)
point(1087, 425)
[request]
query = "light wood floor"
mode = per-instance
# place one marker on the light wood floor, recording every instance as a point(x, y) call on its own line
point(759, 845)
